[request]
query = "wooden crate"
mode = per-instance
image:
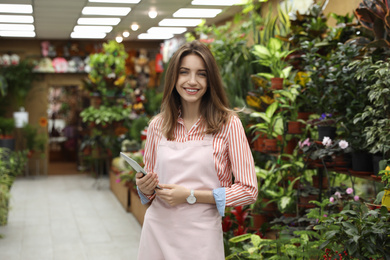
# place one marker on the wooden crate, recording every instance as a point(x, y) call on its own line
point(136, 207)
point(121, 191)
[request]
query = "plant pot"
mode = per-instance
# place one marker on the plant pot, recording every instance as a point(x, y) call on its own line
point(316, 182)
point(304, 115)
point(294, 127)
point(258, 144)
point(277, 83)
point(291, 145)
point(8, 143)
point(271, 145)
point(259, 220)
point(329, 131)
point(376, 158)
point(362, 162)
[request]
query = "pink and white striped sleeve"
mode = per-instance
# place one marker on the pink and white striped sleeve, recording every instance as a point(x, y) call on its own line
point(244, 190)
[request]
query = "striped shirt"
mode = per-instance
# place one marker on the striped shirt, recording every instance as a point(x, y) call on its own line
point(232, 157)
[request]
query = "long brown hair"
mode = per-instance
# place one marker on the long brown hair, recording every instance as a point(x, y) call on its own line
point(214, 106)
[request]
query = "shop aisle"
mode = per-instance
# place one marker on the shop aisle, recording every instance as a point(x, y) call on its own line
point(67, 217)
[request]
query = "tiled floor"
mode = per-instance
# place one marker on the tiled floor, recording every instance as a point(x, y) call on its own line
point(67, 217)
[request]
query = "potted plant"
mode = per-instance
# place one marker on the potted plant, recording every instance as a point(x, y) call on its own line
point(287, 99)
point(376, 115)
point(7, 126)
point(273, 56)
point(271, 125)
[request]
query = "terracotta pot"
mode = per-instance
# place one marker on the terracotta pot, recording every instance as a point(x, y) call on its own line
point(304, 115)
point(271, 145)
point(291, 144)
point(259, 220)
point(316, 182)
point(258, 144)
point(294, 127)
point(277, 83)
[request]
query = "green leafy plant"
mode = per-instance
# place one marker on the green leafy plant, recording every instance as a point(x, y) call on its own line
point(357, 232)
point(376, 115)
point(272, 121)
point(104, 115)
point(7, 126)
point(288, 100)
point(273, 57)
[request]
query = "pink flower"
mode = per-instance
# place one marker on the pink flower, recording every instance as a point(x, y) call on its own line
point(356, 198)
point(337, 194)
point(326, 141)
point(349, 191)
point(325, 215)
point(343, 144)
point(331, 199)
point(118, 180)
point(304, 143)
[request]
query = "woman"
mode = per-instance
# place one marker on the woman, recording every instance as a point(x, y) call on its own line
point(193, 146)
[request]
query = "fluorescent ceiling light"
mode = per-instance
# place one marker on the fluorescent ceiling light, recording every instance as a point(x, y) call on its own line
point(15, 8)
point(16, 27)
point(181, 22)
point(217, 2)
point(116, 1)
point(172, 30)
point(91, 28)
point(16, 19)
point(17, 34)
point(196, 12)
point(99, 21)
point(114, 11)
point(85, 35)
point(160, 36)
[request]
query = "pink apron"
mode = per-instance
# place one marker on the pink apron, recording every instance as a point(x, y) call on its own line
point(183, 232)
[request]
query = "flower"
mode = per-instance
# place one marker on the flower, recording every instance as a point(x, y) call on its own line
point(43, 121)
point(325, 116)
point(349, 191)
point(331, 199)
point(356, 198)
point(304, 143)
point(327, 141)
point(337, 194)
point(343, 144)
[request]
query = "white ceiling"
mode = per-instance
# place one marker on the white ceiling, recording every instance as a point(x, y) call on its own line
point(55, 19)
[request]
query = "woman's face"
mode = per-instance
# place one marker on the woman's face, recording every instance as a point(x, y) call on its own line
point(191, 83)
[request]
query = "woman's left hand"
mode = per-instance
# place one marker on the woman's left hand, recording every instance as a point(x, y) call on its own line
point(173, 194)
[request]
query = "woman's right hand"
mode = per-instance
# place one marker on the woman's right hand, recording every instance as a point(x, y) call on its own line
point(146, 184)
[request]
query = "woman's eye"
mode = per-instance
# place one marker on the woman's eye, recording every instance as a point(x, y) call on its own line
point(203, 74)
point(183, 72)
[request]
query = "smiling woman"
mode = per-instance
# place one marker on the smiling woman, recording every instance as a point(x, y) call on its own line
point(193, 149)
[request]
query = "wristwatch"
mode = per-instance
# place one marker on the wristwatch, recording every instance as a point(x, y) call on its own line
point(191, 199)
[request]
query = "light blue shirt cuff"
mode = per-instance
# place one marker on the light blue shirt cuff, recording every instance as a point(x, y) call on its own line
point(144, 199)
point(220, 199)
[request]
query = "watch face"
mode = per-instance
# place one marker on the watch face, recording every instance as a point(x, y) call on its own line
point(191, 199)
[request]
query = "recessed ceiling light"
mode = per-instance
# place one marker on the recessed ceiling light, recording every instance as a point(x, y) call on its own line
point(86, 35)
point(197, 12)
point(16, 19)
point(92, 28)
point(15, 8)
point(16, 27)
point(181, 22)
point(114, 11)
point(118, 39)
point(116, 1)
point(217, 2)
point(160, 36)
point(17, 34)
point(99, 21)
point(172, 30)
point(126, 34)
point(152, 14)
point(134, 27)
